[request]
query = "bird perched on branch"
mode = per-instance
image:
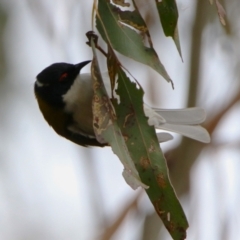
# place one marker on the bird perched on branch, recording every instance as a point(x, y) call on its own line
point(65, 99)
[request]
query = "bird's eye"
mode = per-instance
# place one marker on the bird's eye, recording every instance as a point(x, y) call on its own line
point(63, 77)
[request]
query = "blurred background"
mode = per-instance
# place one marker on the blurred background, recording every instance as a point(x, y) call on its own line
point(52, 189)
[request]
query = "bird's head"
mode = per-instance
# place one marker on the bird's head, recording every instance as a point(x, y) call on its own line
point(55, 81)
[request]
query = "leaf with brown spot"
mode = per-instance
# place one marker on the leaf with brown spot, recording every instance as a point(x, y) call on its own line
point(106, 127)
point(145, 163)
point(121, 3)
point(151, 165)
point(119, 29)
point(161, 181)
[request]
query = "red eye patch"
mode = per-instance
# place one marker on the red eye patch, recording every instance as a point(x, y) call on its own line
point(63, 76)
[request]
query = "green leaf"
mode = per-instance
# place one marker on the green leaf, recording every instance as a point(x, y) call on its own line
point(105, 125)
point(177, 42)
point(143, 146)
point(122, 123)
point(122, 35)
point(168, 13)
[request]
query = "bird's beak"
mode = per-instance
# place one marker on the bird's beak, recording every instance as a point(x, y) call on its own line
point(80, 65)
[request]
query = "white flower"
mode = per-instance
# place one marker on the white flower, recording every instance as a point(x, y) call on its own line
point(183, 121)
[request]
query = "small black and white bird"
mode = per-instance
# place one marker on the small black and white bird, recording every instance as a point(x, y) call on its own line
point(65, 99)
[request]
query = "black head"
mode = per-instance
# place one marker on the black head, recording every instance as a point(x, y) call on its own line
point(54, 81)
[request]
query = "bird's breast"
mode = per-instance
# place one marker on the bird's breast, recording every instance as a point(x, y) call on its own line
point(78, 103)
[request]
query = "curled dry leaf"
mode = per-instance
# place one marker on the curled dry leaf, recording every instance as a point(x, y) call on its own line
point(221, 12)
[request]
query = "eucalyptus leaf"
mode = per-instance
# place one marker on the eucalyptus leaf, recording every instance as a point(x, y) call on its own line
point(106, 128)
point(123, 35)
point(144, 149)
point(168, 13)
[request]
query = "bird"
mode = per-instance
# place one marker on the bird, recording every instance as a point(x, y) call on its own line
point(64, 97)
